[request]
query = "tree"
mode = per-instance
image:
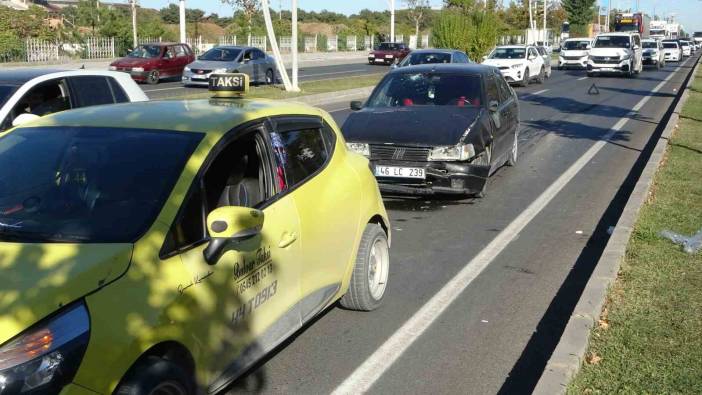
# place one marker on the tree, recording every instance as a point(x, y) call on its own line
point(170, 14)
point(248, 7)
point(416, 11)
point(580, 14)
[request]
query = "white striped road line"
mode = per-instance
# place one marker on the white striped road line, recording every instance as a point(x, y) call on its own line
point(363, 378)
point(540, 92)
point(582, 78)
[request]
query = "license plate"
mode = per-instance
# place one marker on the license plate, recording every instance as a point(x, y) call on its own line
point(400, 172)
point(199, 77)
point(377, 60)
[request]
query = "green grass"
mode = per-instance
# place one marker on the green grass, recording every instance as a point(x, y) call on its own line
point(649, 338)
point(307, 88)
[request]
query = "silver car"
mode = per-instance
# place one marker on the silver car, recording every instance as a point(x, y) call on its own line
point(430, 56)
point(252, 61)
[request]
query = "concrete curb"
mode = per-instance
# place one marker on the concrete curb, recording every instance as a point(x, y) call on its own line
point(570, 351)
point(321, 99)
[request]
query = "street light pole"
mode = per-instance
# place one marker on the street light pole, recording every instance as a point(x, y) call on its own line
point(293, 45)
point(183, 38)
point(545, 38)
point(134, 24)
point(392, 21)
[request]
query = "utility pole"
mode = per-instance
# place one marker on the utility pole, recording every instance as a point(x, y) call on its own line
point(391, 4)
point(274, 46)
point(183, 37)
point(293, 45)
point(609, 11)
point(545, 33)
point(134, 23)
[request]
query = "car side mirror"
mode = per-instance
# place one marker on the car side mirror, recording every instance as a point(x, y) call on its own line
point(356, 105)
point(228, 226)
point(493, 106)
point(24, 118)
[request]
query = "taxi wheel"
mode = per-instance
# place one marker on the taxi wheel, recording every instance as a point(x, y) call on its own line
point(153, 77)
point(156, 376)
point(370, 273)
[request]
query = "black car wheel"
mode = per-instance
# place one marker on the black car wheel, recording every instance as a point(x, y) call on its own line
point(153, 77)
point(541, 77)
point(156, 376)
point(270, 79)
point(370, 273)
point(525, 80)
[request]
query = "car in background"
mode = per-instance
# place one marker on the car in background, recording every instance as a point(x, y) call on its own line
point(259, 66)
point(546, 54)
point(436, 129)
point(137, 233)
point(652, 53)
point(26, 94)
point(690, 44)
point(618, 53)
point(574, 53)
point(519, 64)
point(685, 47)
point(155, 61)
point(672, 51)
point(434, 56)
point(388, 53)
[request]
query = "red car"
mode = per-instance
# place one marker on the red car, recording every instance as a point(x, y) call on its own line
point(388, 53)
point(151, 62)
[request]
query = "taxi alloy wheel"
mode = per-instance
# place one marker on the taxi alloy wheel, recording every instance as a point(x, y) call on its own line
point(370, 273)
point(153, 77)
point(156, 376)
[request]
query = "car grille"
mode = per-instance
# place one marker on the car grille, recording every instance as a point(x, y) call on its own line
point(503, 68)
point(201, 71)
point(391, 152)
point(605, 60)
point(572, 57)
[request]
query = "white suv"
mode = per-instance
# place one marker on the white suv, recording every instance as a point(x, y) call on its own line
point(518, 63)
point(574, 53)
point(616, 53)
point(672, 51)
point(653, 53)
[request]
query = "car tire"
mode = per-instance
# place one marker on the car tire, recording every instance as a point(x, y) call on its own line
point(370, 272)
point(514, 152)
point(156, 375)
point(153, 77)
point(270, 77)
point(525, 80)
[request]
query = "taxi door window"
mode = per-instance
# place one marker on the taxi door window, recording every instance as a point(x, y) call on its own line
point(238, 175)
point(46, 98)
point(300, 153)
point(91, 91)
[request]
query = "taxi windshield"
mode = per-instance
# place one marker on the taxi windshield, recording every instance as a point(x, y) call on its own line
point(221, 54)
point(508, 53)
point(426, 58)
point(427, 89)
point(87, 185)
point(5, 92)
point(146, 51)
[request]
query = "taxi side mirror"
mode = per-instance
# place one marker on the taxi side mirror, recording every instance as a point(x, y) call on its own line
point(356, 105)
point(228, 226)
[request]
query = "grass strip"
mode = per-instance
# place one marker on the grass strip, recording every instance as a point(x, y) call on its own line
point(307, 88)
point(649, 337)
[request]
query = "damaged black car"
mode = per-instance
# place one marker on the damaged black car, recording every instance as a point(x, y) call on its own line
point(436, 129)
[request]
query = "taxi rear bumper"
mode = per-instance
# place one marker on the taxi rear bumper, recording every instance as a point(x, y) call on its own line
point(442, 178)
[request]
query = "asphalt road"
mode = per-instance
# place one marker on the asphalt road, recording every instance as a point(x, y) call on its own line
point(495, 334)
point(172, 88)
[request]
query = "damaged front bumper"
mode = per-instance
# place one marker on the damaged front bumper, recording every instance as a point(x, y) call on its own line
point(441, 178)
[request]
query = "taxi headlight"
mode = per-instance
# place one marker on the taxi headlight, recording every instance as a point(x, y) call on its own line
point(359, 148)
point(517, 66)
point(46, 357)
point(219, 71)
point(113, 68)
point(138, 69)
point(458, 152)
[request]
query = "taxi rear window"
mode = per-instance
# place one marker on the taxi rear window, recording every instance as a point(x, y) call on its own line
point(427, 89)
point(84, 184)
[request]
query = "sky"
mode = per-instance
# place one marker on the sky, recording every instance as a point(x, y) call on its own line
point(687, 12)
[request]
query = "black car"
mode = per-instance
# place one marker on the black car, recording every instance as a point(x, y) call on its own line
point(436, 129)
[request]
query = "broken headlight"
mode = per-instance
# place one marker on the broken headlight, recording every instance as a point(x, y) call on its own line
point(458, 152)
point(45, 358)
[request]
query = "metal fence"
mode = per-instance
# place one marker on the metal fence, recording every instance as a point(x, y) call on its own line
point(259, 42)
point(39, 51)
point(311, 43)
point(332, 43)
point(227, 40)
point(351, 43)
point(368, 43)
point(148, 40)
point(99, 48)
point(286, 44)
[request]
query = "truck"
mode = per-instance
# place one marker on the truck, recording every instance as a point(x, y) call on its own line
point(633, 22)
point(673, 31)
point(658, 30)
point(697, 36)
point(565, 31)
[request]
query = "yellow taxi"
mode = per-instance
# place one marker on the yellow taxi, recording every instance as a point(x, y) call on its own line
point(165, 247)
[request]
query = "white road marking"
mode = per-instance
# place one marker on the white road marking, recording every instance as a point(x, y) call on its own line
point(363, 378)
point(163, 89)
point(582, 78)
point(540, 92)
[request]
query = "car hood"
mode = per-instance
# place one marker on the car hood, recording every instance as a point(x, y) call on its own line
point(610, 52)
point(574, 52)
point(422, 125)
point(211, 64)
point(503, 62)
point(37, 279)
point(132, 62)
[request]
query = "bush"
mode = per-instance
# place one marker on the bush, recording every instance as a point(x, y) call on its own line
point(11, 47)
point(472, 32)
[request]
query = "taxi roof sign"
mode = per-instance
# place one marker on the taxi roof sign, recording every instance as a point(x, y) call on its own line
point(229, 84)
